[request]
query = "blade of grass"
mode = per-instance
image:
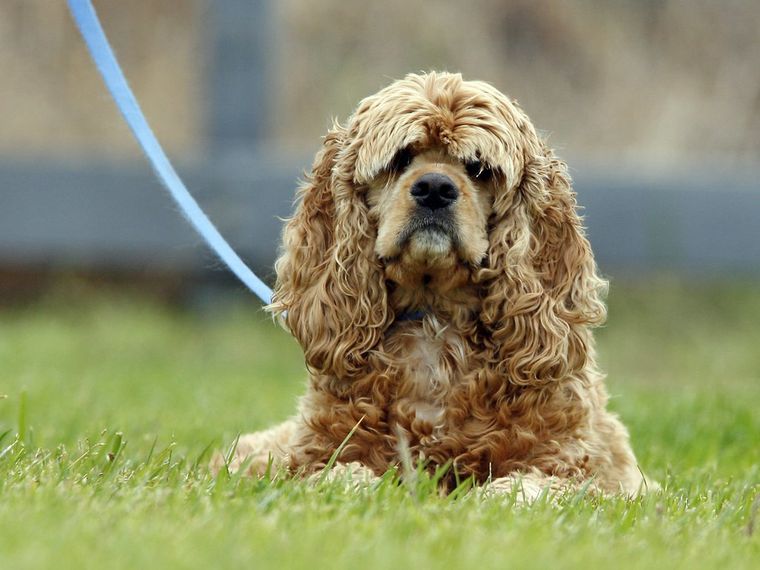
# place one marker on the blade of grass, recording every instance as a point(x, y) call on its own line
point(21, 431)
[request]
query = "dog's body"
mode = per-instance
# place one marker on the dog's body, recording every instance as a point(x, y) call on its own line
point(438, 279)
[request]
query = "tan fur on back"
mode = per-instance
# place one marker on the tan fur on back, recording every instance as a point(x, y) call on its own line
point(496, 373)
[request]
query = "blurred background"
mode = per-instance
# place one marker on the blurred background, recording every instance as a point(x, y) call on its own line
point(117, 326)
point(654, 104)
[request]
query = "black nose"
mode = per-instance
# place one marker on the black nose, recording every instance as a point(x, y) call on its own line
point(434, 191)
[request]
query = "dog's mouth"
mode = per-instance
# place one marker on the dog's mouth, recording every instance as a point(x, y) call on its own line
point(433, 233)
point(430, 254)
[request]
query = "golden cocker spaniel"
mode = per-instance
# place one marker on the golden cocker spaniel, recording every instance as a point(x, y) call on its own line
point(437, 276)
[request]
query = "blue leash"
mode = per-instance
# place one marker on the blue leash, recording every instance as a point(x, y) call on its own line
point(105, 60)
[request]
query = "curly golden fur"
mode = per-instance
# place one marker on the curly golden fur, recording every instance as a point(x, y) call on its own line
point(462, 331)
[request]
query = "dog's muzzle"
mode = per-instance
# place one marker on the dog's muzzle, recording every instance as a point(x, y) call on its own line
point(434, 194)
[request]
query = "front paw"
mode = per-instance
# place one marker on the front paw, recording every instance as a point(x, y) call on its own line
point(353, 475)
point(258, 454)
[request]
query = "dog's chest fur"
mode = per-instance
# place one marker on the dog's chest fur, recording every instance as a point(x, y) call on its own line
point(428, 357)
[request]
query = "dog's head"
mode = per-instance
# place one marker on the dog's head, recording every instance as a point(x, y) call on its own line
point(438, 186)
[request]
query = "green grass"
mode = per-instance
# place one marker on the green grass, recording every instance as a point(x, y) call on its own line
point(109, 407)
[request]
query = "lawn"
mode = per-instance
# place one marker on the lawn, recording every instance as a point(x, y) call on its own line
point(110, 407)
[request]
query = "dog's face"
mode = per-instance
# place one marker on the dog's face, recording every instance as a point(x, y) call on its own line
point(431, 214)
point(432, 158)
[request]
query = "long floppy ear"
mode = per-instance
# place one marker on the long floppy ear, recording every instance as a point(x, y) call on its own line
point(330, 290)
point(542, 289)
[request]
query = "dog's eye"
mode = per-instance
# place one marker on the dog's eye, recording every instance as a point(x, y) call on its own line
point(402, 160)
point(478, 171)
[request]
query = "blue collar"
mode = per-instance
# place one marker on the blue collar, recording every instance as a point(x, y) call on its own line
point(415, 315)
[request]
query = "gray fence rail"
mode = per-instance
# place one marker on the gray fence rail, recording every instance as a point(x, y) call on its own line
point(696, 220)
point(116, 216)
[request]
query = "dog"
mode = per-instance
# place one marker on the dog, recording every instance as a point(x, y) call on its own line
point(437, 276)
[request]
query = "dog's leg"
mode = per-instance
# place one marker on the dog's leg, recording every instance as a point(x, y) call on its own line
point(258, 451)
point(614, 464)
point(527, 487)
